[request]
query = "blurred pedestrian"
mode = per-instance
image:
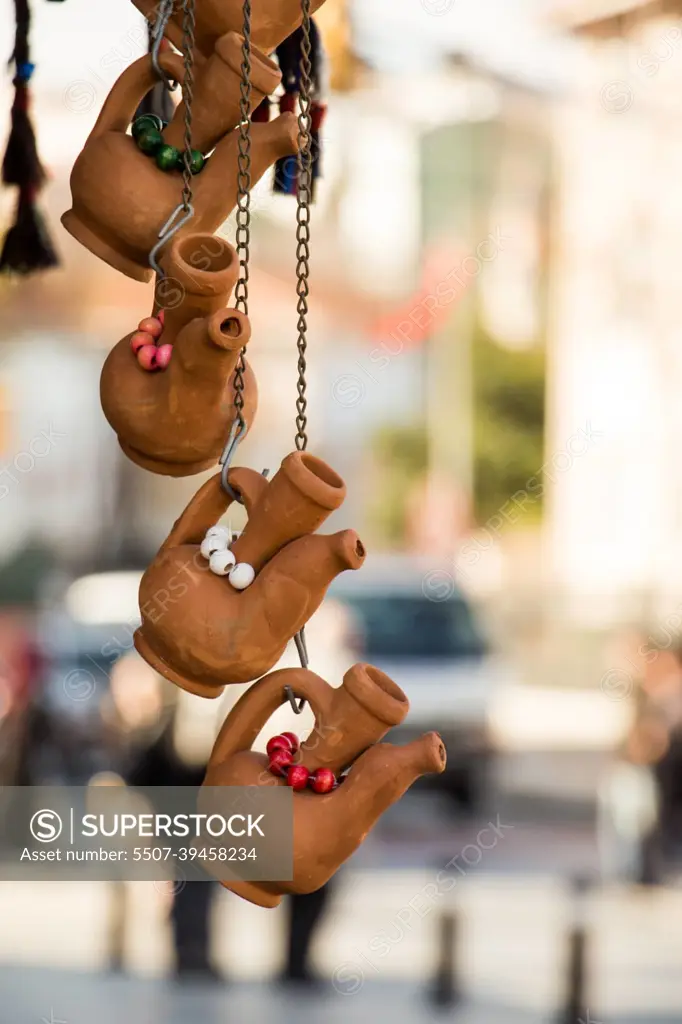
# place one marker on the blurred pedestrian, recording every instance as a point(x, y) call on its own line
point(167, 737)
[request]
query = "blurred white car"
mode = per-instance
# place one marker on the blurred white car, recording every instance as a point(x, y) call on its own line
point(429, 640)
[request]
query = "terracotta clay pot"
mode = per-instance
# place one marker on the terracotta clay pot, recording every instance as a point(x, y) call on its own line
point(349, 722)
point(121, 199)
point(294, 503)
point(176, 422)
point(271, 21)
point(201, 633)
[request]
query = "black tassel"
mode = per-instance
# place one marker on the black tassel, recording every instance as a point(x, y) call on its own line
point(289, 58)
point(157, 102)
point(27, 245)
point(22, 165)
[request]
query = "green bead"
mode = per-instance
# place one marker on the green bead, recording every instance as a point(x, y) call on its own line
point(167, 158)
point(149, 141)
point(144, 123)
point(197, 161)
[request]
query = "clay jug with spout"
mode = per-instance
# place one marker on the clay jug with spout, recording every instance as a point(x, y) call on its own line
point(201, 633)
point(121, 199)
point(271, 21)
point(349, 723)
point(176, 422)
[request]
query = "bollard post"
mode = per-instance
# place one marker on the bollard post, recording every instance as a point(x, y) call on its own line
point(445, 988)
point(575, 1003)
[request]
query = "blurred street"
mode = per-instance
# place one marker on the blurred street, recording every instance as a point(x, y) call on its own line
point(511, 963)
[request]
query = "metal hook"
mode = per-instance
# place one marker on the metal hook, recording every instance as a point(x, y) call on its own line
point(163, 17)
point(170, 228)
point(237, 431)
point(296, 708)
point(302, 648)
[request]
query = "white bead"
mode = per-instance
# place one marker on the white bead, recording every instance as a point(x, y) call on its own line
point(242, 576)
point(220, 531)
point(221, 562)
point(212, 543)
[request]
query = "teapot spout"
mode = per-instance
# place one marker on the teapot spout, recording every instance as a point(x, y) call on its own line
point(216, 188)
point(384, 772)
point(209, 348)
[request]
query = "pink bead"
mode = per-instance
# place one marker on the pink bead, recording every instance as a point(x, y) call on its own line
point(163, 356)
point(139, 339)
point(152, 325)
point(161, 317)
point(146, 357)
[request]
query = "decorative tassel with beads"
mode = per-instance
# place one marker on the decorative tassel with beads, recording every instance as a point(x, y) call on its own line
point(289, 58)
point(27, 246)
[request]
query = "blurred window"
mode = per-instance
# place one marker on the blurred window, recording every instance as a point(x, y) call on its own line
point(409, 626)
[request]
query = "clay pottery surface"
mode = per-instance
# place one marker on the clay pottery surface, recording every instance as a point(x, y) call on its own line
point(271, 21)
point(217, 93)
point(121, 199)
point(201, 633)
point(176, 422)
point(301, 495)
point(349, 722)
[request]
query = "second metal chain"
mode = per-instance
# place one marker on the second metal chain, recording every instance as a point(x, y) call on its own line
point(303, 200)
point(243, 237)
point(188, 45)
point(184, 211)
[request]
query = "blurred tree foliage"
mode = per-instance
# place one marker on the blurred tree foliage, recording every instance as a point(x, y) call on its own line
point(400, 459)
point(509, 419)
point(508, 431)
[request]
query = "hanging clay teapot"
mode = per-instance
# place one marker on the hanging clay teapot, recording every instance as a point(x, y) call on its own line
point(176, 421)
point(271, 21)
point(349, 722)
point(200, 632)
point(122, 199)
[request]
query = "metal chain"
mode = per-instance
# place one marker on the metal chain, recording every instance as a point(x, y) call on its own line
point(184, 211)
point(243, 238)
point(188, 44)
point(303, 200)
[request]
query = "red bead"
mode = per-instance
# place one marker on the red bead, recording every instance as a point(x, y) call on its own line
point(323, 780)
point(297, 777)
point(163, 356)
point(279, 743)
point(293, 739)
point(280, 761)
point(152, 325)
point(146, 357)
point(140, 338)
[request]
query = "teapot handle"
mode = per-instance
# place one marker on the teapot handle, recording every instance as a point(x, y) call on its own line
point(130, 89)
point(259, 703)
point(210, 503)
